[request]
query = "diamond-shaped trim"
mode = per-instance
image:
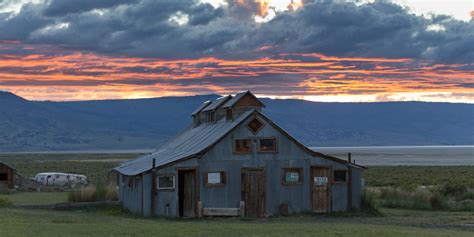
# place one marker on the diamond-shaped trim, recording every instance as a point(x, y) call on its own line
point(255, 125)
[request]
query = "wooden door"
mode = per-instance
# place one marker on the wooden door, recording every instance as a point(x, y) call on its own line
point(187, 193)
point(320, 186)
point(253, 192)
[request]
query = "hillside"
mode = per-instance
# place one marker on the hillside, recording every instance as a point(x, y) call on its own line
point(147, 123)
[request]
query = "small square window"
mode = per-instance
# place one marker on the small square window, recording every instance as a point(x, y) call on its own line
point(214, 179)
point(267, 145)
point(292, 176)
point(255, 125)
point(165, 182)
point(340, 176)
point(242, 146)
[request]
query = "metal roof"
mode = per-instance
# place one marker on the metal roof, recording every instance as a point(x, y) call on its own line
point(7, 165)
point(201, 107)
point(217, 103)
point(188, 144)
point(230, 103)
point(196, 140)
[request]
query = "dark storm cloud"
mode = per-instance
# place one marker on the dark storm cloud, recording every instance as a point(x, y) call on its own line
point(64, 7)
point(145, 28)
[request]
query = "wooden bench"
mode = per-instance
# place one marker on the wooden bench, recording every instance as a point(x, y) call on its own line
point(213, 211)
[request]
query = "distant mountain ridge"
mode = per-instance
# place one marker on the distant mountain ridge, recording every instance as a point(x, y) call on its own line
point(147, 123)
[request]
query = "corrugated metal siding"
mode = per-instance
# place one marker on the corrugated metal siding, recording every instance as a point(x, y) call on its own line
point(357, 188)
point(131, 195)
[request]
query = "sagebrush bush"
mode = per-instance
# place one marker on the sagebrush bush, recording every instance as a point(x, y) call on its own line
point(5, 202)
point(454, 190)
point(94, 193)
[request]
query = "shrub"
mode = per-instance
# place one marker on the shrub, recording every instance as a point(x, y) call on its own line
point(454, 190)
point(5, 202)
point(369, 203)
point(93, 193)
point(466, 205)
point(438, 202)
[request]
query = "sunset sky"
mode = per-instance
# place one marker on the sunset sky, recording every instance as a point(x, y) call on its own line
point(314, 50)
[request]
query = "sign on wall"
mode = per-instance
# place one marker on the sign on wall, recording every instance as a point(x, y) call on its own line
point(320, 181)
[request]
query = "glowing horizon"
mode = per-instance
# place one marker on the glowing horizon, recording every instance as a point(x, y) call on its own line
point(71, 76)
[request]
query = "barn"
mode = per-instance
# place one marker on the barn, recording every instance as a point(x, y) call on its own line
point(233, 160)
point(7, 177)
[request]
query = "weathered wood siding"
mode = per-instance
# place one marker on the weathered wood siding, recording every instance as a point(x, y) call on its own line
point(222, 158)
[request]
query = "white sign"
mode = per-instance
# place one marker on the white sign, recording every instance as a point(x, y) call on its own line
point(214, 178)
point(320, 180)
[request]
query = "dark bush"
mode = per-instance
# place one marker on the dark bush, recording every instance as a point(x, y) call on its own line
point(454, 190)
point(438, 202)
point(5, 202)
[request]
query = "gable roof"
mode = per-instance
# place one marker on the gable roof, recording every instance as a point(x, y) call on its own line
point(305, 148)
point(238, 97)
point(195, 141)
point(7, 165)
point(188, 144)
point(201, 107)
point(217, 103)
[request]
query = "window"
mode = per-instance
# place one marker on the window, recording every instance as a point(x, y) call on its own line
point(242, 146)
point(214, 179)
point(267, 145)
point(340, 175)
point(228, 114)
point(211, 117)
point(292, 176)
point(3, 177)
point(255, 125)
point(166, 182)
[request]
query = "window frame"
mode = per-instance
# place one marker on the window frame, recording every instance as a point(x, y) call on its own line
point(334, 176)
point(223, 179)
point(158, 188)
point(211, 117)
point(234, 147)
point(300, 170)
point(275, 142)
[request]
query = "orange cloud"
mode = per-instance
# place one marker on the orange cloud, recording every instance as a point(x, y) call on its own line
point(78, 76)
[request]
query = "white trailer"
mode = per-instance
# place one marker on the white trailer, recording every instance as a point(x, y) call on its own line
point(55, 179)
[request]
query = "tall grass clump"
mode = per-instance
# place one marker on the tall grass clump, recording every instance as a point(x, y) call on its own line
point(418, 199)
point(369, 203)
point(94, 193)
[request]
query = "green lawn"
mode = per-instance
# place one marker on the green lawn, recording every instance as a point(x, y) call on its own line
point(29, 198)
point(111, 222)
